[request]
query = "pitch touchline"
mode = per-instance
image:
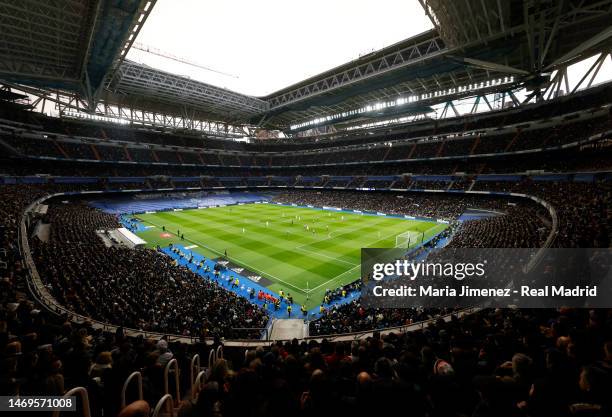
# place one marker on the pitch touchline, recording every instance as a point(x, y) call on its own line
point(239, 262)
point(252, 268)
point(334, 278)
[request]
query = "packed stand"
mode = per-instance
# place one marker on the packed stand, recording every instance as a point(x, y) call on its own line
point(141, 289)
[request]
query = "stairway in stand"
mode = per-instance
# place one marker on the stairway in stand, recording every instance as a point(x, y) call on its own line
point(287, 329)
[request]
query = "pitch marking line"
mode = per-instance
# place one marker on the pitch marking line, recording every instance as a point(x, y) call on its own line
point(355, 267)
point(326, 256)
point(334, 278)
point(305, 291)
point(248, 266)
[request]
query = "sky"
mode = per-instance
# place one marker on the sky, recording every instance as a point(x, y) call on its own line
point(266, 45)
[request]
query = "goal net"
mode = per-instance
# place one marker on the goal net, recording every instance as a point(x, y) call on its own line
point(408, 239)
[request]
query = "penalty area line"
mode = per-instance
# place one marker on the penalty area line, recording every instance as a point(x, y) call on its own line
point(353, 268)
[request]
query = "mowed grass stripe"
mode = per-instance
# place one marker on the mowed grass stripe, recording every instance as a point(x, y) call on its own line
point(276, 238)
point(197, 225)
point(330, 257)
point(265, 259)
point(240, 262)
point(248, 245)
point(333, 248)
point(276, 245)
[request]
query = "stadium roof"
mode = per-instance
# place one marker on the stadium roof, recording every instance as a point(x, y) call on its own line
point(476, 46)
point(142, 86)
point(473, 41)
point(73, 45)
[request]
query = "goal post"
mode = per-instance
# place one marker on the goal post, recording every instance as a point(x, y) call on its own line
point(408, 239)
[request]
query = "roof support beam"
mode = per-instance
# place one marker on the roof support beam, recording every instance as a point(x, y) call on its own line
point(85, 58)
point(553, 33)
point(412, 52)
point(486, 100)
point(584, 46)
point(491, 66)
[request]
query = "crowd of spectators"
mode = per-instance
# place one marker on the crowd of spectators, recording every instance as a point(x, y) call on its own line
point(523, 363)
point(140, 289)
point(594, 157)
point(74, 253)
point(44, 354)
point(436, 206)
point(458, 145)
point(583, 208)
point(490, 363)
point(525, 225)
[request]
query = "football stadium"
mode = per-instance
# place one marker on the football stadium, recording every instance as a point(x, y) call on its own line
point(233, 208)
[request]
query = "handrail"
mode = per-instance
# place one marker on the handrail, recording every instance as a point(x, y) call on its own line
point(163, 400)
point(219, 354)
point(535, 260)
point(212, 358)
point(200, 380)
point(82, 392)
point(174, 364)
point(195, 366)
point(138, 377)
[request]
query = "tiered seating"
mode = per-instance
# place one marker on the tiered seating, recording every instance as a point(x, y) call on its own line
point(574, 129)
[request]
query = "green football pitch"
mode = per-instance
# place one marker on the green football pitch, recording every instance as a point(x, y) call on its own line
point(301, 251)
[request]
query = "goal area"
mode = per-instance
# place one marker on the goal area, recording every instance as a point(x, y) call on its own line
point(408, 239)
